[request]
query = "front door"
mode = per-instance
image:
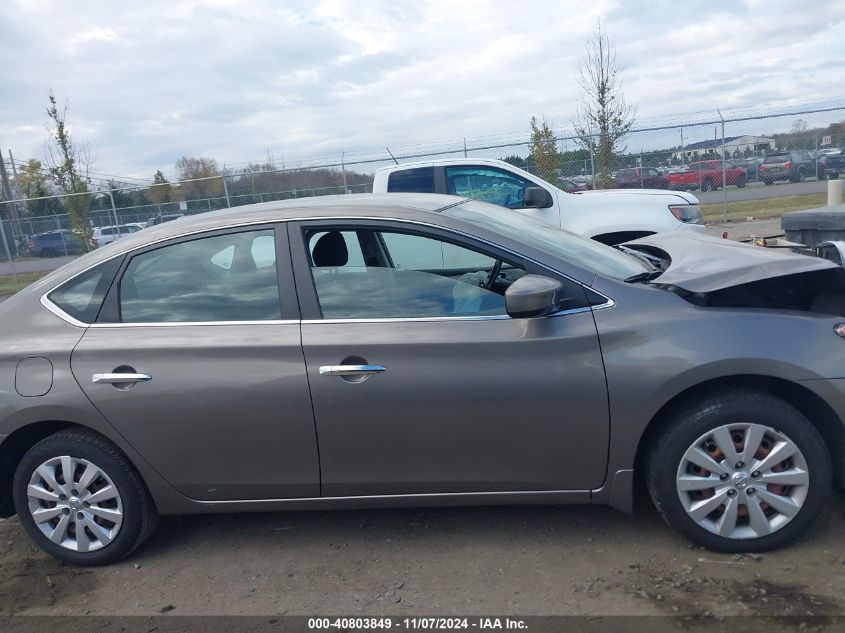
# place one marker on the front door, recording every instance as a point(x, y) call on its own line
point(420, 381)
point(217, 400)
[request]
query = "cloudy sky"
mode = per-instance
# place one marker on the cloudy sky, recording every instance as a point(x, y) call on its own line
point(151, 81)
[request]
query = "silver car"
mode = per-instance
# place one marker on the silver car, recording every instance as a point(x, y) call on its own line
point(398, 350)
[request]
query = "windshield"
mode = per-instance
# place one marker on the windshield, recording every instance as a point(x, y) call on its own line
point(579, 251)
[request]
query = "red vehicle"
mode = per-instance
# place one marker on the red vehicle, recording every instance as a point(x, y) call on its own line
point(707, 176)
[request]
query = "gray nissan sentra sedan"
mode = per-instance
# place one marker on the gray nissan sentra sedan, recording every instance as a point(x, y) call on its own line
point(397, 350)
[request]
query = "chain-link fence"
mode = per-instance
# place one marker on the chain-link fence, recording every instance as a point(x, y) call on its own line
point(766, 157)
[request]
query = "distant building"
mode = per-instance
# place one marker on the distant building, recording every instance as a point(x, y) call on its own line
point(734, 146)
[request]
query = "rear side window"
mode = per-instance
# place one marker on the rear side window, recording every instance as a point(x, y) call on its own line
point(222, 278)
point(82, 296)
point(419, 180)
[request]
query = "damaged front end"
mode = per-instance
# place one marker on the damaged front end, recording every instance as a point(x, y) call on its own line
point(714, 272)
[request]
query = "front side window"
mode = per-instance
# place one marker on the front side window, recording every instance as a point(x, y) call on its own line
point(488, 184)
point(403, 275)
point(222, 278)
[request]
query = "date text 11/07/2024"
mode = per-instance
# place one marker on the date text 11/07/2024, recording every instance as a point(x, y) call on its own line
point(418, 623)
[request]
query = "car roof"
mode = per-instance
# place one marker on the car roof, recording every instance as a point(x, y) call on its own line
point(397, 205)
point(442, 161)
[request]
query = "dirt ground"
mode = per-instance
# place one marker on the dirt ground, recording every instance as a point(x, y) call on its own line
point(514, 560)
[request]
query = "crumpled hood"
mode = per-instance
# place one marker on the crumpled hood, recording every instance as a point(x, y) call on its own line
point(702, 263)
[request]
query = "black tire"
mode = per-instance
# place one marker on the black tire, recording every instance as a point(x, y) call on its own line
point(707, 185)
point(49, 252)
point(769, 182)
point(139, 513)
point(690, 422)
point(741, 182)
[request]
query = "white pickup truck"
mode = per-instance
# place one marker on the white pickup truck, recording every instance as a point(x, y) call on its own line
point(611, 216)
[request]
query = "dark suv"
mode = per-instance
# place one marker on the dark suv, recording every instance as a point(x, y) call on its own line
point(640, 178)
point(793, 165)
point(55, 244)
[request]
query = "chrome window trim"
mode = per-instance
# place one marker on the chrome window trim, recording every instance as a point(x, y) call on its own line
point(194, 323)
point(57, 311)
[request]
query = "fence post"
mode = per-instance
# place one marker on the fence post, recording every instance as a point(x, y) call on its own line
point(114, 211)
point(225, 187)
point(343, 171)
point(816, 155)
point(8, 252)
point(724, 178)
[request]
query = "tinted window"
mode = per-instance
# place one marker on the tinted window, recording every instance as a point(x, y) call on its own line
point(488, 184)
point(82, 296)
point(410, 276)
point(419, 180)
point(222, 278)
point(776, 158)
point(626, 173)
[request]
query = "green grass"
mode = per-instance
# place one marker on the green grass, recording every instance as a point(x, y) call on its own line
point(761, 209)
point(9, 287)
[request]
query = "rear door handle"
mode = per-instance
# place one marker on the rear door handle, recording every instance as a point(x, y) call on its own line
point(351, 370)
point(113, 379)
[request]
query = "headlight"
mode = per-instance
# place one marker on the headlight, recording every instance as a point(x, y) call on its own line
point(840, 329)
point(688, 213)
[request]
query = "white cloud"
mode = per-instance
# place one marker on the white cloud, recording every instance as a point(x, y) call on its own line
point(157, 80)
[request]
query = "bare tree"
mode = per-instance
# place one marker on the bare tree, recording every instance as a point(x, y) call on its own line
point(203, 176)
point(604, 117)
point(69, 167)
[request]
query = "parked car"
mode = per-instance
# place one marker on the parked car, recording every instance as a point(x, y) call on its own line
point(751, 167)
point(610, 216)
point(570, 186)
point(107, 234)
point(418, 350)
point(833, 165)
point(707, 175)
point(55, 244)
point(793, 165)
point(640, 178)
point(166, 217)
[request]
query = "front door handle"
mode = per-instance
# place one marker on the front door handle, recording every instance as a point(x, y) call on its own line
point(351, 370)
point(116, 379)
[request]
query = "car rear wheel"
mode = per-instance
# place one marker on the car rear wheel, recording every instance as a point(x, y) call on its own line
point(741, 182)
point(768, 181)
point(80, 500)
point(707, 185)
point(739, 472)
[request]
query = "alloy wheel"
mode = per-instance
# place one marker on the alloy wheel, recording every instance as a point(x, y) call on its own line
point(75, 503)
point(743, 481)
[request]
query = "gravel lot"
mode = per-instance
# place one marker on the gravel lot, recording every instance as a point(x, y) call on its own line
point(513, 560)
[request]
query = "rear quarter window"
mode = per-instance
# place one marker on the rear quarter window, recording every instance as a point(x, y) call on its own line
point(420, 180)
point(82, 296)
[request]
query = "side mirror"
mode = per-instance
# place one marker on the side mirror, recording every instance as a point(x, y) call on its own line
point(533, 296)
point(536, 198)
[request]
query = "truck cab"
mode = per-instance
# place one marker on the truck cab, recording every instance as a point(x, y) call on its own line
point(610, 216)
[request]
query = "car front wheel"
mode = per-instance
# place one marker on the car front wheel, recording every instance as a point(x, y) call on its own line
point(740, 472)
point(80, 500)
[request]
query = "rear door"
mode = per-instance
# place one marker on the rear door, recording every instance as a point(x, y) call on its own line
point(196, 360)
point(420, 381)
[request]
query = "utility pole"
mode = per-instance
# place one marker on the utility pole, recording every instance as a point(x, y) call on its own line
point(343, 171)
